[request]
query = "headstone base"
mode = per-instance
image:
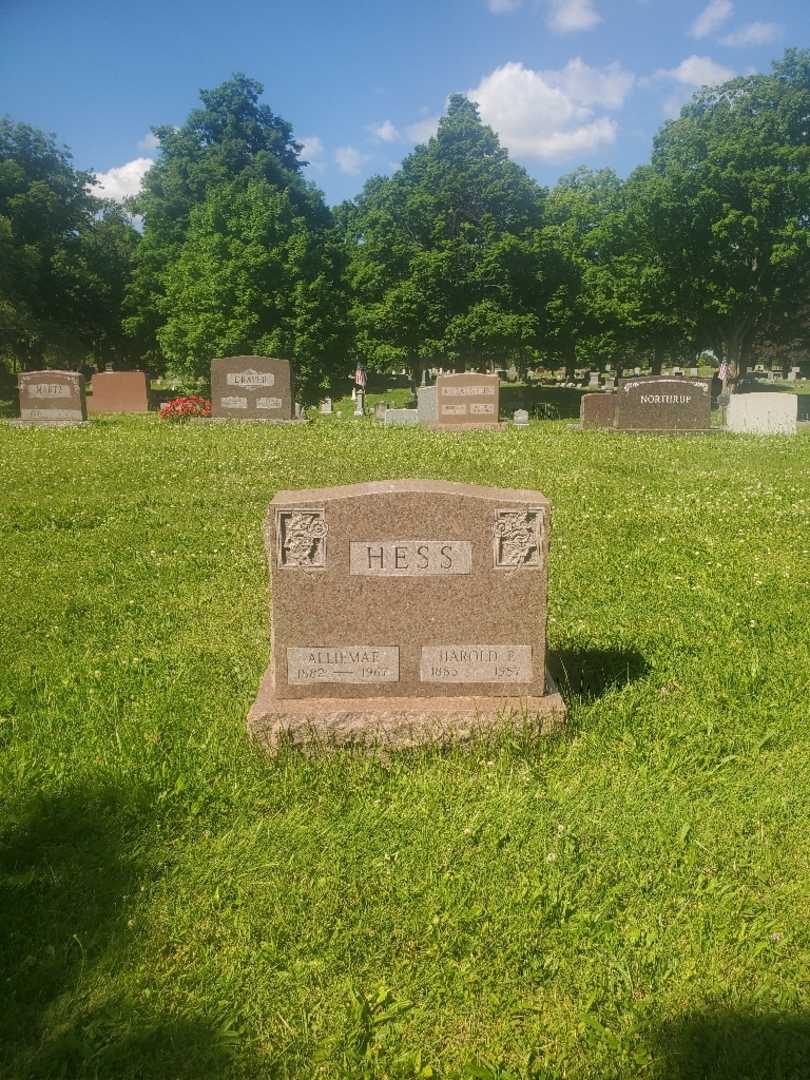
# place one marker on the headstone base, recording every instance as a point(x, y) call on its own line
point(47, 423)
point(246, 420)
point(394, 723)
point(455, 429)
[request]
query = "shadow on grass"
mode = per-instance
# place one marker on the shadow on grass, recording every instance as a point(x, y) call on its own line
point(70, 868)
point(590, 673)
point(735, 1046)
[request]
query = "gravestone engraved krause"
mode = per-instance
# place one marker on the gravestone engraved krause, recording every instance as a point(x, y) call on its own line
point(405, 611)
point(467, 400)
point(119, 391)
point(51, 397)
point(252, 388)
point(663, 404)
point(597, 411)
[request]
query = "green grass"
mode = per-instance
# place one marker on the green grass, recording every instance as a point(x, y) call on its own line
point(629, 899)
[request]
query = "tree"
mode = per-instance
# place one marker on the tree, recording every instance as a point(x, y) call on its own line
point(195, 205)
point(45, 210)
point(731, 212)
point(253, 277)
point(442, 260)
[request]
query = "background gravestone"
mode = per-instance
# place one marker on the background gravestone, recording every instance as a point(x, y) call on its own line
point(401, 417)
point(468, 399)
point(597, 411)
point(762, 414)
point(119, 391)
point(404, 610)
point(426, 404)
point(251, 388)
point(52, 397)
point(663, 404)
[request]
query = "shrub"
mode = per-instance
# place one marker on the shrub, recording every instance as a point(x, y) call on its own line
point(183, 408)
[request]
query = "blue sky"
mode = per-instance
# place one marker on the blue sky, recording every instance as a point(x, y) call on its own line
point(564, 82)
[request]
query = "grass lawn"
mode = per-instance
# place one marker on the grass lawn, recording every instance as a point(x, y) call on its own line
point(628, 899)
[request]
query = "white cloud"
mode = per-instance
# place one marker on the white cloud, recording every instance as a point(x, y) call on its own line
point(150, 141)
point(349, 160)
point(503, 7)
point(755, 33)
point(697, 71)
point(713, 15)
point(123, 180)
point(568, 16)
point(548, 114)
point(312, 151)
point(386, 131)
point(607, 86)
point(422, 130)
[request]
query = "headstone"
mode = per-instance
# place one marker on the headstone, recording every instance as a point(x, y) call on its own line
point(693, 372)
point(677, 371)
point(610, 382)
point(768, 413)
point(325, 407)
point(793, 374)
point(596, 410)
point(426, 404)
point(51, 397)
point(663, 403)
point(119, 391)
point(512, 374)
point(251, 388)
point(380, 409)
point(521, 417)
point(593, 379)
point(636, 370)
point(401, 417)
point(405, 611)
point(467, 400)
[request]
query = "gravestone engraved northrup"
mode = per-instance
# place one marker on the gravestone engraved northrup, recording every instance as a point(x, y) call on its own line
point(405, 611)
point(597, 411)
point(51, 397)
point(467, 400)
point(119, 391)
point(251, 388)
point(663, 403)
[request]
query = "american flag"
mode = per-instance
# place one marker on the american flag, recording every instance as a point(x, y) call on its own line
point(360, 376)
point(723, 372)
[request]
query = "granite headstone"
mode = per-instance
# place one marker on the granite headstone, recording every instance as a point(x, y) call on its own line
point(119, 391)
point(663, 404)
point(251, 388)
point(403, 611)
point(467, 399)
point(763, 413)
point(52, 397)
point(596, 411)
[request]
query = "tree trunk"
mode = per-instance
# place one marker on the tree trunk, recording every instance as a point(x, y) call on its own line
point(658, 359)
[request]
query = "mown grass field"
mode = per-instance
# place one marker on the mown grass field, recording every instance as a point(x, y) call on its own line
point(628, 899)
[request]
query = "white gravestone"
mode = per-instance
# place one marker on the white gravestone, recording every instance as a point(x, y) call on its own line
point(762, 414)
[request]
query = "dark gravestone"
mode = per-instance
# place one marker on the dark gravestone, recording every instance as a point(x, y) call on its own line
point(663, 403)
point(119, 391)
point(467, 400)
point(251, 388)
point(597, 410)
point(52, 397)
point(403, 611)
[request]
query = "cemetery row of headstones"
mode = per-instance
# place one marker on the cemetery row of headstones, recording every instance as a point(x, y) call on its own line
point(261, 389)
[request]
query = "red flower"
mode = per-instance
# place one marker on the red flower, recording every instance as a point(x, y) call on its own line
point(182, 408)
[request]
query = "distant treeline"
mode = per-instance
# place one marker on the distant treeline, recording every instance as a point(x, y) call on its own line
point(459, 259)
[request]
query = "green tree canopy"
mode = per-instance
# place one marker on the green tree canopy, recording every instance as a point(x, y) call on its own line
point(64, 256)
point(729, 208)
point(442, 255)
point(227, 181)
